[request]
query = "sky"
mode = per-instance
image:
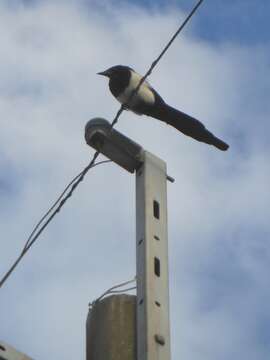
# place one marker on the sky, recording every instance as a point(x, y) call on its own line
point(218, 71)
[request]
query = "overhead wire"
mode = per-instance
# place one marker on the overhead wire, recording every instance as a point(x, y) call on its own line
point(79, 178)
point(57, 201)
point(156, 61)
point(114, 290)
point(61, 201)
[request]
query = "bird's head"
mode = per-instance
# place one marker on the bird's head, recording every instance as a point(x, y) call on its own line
point(114, 72)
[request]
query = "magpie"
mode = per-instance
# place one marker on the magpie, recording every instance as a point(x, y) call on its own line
point(123, 81)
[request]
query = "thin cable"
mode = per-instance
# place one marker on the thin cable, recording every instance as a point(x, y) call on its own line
point(50, 209)
point(79, 178)
point(30, 241)
point(57, 201)
point(155, 62)
point(112, 290)
point(123, 290)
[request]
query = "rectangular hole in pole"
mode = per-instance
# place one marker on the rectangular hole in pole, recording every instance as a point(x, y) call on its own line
point(156, 209)
point(157, 266)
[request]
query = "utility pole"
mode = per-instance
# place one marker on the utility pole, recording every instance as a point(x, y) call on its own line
point(153, 329)
point(112, 332)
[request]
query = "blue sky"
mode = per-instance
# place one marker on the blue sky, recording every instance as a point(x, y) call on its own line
point(231, 20)
point(218, 71)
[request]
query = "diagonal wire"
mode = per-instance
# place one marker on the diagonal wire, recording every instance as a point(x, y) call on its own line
point(57, 201)
point(155, 62)
point(61, 200)
point(79, 178)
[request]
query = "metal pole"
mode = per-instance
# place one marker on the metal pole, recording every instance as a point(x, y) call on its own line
point(153, 328)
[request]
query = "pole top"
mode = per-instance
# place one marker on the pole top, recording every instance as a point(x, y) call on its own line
point(119, 148)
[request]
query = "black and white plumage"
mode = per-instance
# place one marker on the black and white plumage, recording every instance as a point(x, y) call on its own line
point(123, 80)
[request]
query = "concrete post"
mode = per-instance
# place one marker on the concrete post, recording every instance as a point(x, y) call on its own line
point(112, 332)
point(111, 329)
point(153, 323)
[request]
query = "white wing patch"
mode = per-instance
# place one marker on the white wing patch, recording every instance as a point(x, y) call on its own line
point(144, 94)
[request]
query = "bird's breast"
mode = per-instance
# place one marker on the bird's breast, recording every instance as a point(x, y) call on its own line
point(144, 96)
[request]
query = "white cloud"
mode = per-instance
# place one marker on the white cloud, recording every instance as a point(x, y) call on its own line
point(218, 207)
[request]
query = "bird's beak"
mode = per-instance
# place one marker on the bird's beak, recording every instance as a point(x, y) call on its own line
point(104, 73)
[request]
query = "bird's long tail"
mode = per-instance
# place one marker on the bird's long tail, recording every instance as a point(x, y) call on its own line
point(188, 126)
